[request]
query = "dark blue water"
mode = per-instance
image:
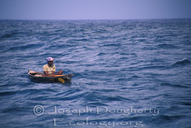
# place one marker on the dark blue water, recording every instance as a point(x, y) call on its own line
point(127, 73)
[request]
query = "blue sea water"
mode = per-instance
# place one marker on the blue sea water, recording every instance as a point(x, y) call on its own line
point(127, 73)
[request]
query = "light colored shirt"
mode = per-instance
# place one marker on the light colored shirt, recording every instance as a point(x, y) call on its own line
point(49, 69)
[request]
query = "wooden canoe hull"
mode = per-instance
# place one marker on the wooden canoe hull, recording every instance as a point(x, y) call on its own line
point(37, 77)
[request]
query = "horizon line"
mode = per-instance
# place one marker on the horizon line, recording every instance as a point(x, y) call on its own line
point(96, 19)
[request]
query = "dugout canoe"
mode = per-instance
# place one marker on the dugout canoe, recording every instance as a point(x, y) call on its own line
point(37, 77)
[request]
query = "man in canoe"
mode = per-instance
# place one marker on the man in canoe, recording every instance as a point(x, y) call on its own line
point(49, 69)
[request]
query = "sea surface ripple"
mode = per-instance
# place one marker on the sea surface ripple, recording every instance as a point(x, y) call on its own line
point(127, 73)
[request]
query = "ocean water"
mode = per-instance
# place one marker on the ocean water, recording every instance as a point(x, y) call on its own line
point(127, 74)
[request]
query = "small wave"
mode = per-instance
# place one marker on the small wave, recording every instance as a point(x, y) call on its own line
point(166, 46)
point(112, 45)
point(7, 93)
point(168, 118)
point(117, 98)
point(25, 91)
point(173, 85)
point(23, 47)
point(182, 62)
point(101, 54)
point(9, 35)
point(186, 103)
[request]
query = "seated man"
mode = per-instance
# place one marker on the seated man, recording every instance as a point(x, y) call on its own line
point(49, 69)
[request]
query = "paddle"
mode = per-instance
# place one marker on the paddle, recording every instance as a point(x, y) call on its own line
point(58, 75)
point(61, 80)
